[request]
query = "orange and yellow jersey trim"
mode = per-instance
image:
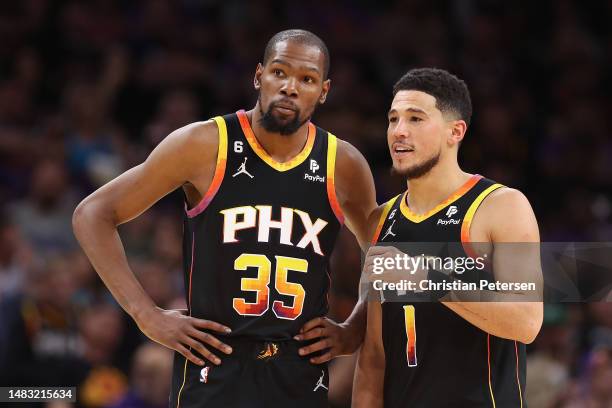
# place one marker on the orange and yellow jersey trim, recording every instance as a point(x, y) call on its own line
point(263, 155)
point(219, 171)
point(414, 217)
point(469, 215)
point(332, 150)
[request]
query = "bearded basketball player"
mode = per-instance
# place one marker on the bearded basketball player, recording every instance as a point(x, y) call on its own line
point(445, 353)
point(266, 194)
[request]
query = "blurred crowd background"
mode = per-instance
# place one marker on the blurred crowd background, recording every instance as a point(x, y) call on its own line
point(88, 88)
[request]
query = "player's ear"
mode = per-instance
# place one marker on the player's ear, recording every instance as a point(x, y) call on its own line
point(457, 131)
point(257, 79)
point(325, 91)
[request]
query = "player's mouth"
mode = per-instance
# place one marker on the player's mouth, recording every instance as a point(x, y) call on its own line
point(285, 108)
point(401, 151)
point(284, 111)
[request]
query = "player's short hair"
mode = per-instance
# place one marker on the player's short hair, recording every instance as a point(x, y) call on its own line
point(451, 93)
point(302, 37)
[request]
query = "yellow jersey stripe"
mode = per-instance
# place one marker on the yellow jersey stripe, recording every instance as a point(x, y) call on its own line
point(219, 170)
point(332, 147)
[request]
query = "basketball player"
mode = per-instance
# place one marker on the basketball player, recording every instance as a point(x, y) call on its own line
point(266, 194)
point(447, 353)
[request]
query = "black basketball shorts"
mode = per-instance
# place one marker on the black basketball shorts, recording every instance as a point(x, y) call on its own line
point(257, 374)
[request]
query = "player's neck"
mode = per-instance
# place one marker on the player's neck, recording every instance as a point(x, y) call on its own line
point(281, 148)
point(426, 192)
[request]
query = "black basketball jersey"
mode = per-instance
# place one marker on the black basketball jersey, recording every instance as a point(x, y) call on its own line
point(256, 248)
point(434, 357)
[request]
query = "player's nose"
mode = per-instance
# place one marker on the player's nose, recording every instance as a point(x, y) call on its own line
point(290, 88)
point(400, 131)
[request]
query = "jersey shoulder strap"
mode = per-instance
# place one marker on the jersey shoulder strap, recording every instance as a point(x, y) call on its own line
point(489, 186)
point(219, 170)
point(383, 216)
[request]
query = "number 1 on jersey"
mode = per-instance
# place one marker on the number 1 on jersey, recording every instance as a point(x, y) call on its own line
point(409, 322)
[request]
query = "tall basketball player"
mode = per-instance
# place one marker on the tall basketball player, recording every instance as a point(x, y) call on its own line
point(445, 353)
point(266, 194)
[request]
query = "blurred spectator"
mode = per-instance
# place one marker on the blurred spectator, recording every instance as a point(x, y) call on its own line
point(16, 258)
point(176, 109)
point(45, 216)
point(599, 335)
point(91, 142)
point(592, 389)
point(149, 378)
point(546, 380)
point(102, 382)
point(553, 356)
point(39, 339)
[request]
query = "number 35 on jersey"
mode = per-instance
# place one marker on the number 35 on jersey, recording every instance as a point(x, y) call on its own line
point(260, 217)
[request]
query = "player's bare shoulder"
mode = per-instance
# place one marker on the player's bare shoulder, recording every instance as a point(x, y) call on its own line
point(355, 189)
point(348, 156)
point(505, 202)
point(193, 148)
point(506, 214)
point(352, 170)
point(198, 139)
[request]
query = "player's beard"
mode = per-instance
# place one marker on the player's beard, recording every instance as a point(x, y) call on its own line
point(269, 122)
point(418, 170)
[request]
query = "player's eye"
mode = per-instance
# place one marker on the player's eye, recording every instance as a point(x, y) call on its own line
point(277, 72)
point(392, 119)
point(309, 79)
point(416, 119)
